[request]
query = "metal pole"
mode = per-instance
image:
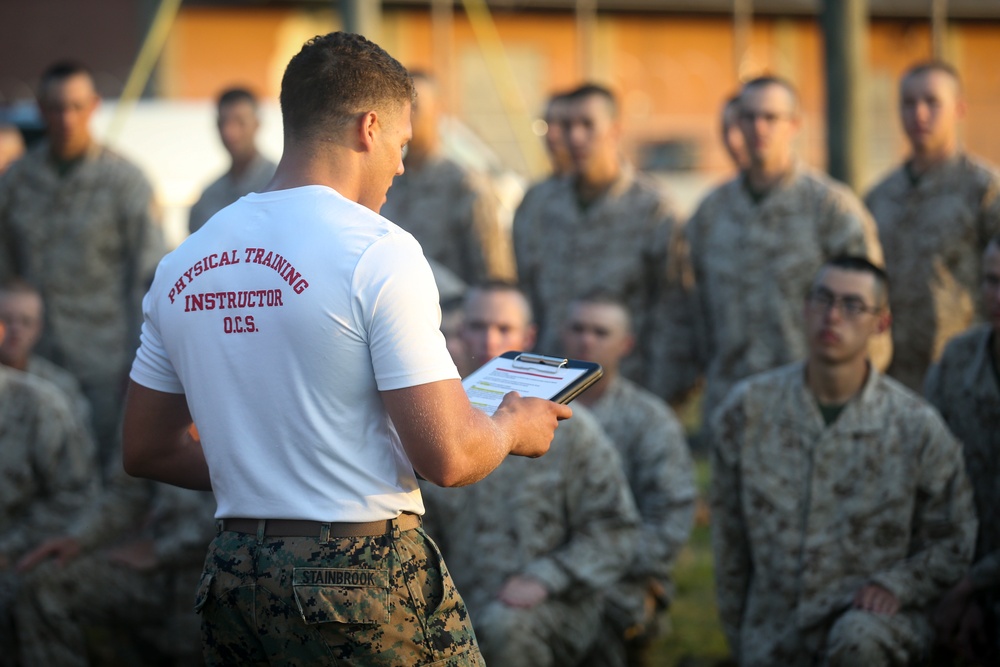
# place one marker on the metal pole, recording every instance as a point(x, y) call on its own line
point(939, 28)
point(442, 29)
point(363, 17)
point(845, 25)
point(742, 23)
point(586, 27)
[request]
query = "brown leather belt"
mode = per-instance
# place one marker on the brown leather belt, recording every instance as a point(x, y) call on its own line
point(301, 528)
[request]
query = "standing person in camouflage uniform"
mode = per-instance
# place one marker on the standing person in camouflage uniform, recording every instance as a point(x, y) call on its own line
point(536, 545)
point(965, 388)
point(658, 467)
point(249, 171)
point(307, 348)
point(935, 214)
point(607, 226)
point(452, 212)
point(840, 506)
point(757, 241)
point(22, 311)
point(75, 219)
point(48, 472)
point(129, 563)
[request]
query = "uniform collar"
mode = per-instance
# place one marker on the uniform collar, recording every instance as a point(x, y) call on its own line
point(858, 416)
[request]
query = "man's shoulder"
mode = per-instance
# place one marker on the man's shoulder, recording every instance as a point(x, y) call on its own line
point(43, 395)
point(893, 183)
point(895, 401)
point(962, 349)
point(721, 197)
point(116, 164)
point(641, 401)
point(821, 185)
point(984, 174)
point(54, 373)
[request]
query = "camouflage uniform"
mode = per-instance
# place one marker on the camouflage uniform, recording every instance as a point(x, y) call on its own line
point(566, 520)
point(660, 474)
point(47, 468)
point(225, 190)
point(454, 215)
point(753, 263)
point(621, 242)
point(57, 604)
point(933, 231)
point(398, 607)
point(964, 387)
point(87, 241)
point(804, 515)
point(62, 378)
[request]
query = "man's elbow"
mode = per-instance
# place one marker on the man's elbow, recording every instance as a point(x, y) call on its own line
point(133, 460)
point(446, 473)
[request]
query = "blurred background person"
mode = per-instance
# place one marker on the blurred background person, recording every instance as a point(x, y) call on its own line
point(451, 211)
point(659, 471)
point(77, 222)
point(606, 225)
point(23, 313)
point(757, 241)
point(935, 214)
point(965, 388)
point(249, 170)
point(533, 548)
point(11, 145)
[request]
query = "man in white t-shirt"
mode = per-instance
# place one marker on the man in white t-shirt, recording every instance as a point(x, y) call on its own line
point(299, 330)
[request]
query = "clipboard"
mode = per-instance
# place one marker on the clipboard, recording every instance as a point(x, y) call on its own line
point(532, 375)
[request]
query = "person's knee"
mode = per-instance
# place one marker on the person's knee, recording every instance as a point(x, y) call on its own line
point(863, 638)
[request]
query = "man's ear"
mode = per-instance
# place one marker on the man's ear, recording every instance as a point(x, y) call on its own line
point(883, 322)
point(368, 129)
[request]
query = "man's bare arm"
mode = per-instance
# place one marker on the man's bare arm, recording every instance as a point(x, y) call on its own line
point(451, 443)
point(156, 442)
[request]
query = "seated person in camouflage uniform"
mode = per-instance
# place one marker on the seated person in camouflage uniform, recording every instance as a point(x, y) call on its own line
point(658, 467)
point(965, 387)
point(841, 510)
point(22, 311)
point(130, 564)
point(48, 468)
point(534, 546)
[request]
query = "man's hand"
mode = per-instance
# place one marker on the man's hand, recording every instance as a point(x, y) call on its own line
point(532, 420)
point(948, 613)
point(877, 600)
point(138, 555)
point(63, 549)
point(521, 591)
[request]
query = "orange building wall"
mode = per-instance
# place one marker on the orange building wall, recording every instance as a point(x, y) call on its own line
point(671, 71)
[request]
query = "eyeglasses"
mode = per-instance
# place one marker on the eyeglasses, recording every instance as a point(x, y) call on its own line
point(850, 307)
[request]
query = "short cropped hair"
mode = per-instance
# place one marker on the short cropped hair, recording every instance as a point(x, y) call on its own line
point(863, 265)
point(501, 286)
point(928, 66)
point(605, 297)
point(62, 70)
point(236, 94)
point(772, 80)
point(595, 90)
point(334, 78)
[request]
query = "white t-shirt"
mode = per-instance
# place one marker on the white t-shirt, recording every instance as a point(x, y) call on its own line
point(281, 320)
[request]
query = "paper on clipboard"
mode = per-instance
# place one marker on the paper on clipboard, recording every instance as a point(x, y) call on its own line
point(487, 386)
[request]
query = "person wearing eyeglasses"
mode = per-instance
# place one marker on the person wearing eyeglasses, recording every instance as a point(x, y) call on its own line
point(841, 510)
point(756, 241)
point(965, 387)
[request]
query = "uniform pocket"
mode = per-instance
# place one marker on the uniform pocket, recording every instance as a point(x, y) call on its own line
point(336, 595)
point(204, 589)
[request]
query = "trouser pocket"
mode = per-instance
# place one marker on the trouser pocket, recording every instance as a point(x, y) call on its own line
point(341, 595)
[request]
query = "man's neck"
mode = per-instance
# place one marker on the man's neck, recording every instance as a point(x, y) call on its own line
point(17, 364)
point(241, 165)
point(599, 388)
point(592, 185)
point(923, 161)
point(69, 154)
point(763, 177)
point(836, 384)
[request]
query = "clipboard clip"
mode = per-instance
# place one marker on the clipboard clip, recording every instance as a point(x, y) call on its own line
point(548, 364)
